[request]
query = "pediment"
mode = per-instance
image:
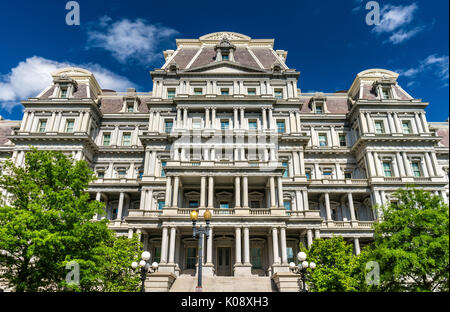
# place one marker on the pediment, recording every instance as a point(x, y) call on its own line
point(225, 67)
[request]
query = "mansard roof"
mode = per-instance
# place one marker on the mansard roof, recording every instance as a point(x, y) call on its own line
point(6, 128)
point(255, 53)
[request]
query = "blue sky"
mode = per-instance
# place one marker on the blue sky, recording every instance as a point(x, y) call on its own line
point(329, 42)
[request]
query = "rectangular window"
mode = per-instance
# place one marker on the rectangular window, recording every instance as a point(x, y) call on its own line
point(308, 174)
point(225, 57)
point(287, 205)
point(130, 107)
point(327, 173)
point(323, 139)
point(290, 254)
point(278, 93)
point(387, 169)
point(168, 126)
point(254, 204)
point(224, 124)
point(171, 93)
point(64, 92)
point(126, 139)
point(140, 174)
point(198, 91)
point(69, 125)
point(225, 91)
point(319, 109)
point(161, 204)
point(416, 169)
point(122, 173)
point(281, 126)
point(386, 93)
point(406, 127)
point(163, 172)
point(100, 174)
point(224, 205)
point(252, 125)
point(191, 257)
point(348, 175)
point(106, 139)
point(342, 140)
point(379, 127)
point(157, 254)
point(251, 91)
point(255, 253)
point(197, 124)
point(193, 204)
point(42, 125)
point(286, 169)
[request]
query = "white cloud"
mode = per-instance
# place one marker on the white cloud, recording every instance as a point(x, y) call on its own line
point(402, 35)
point(394, 17)
point(127, 40)
point(358, 6)
point(432, 65)
point(32, 76)
point(395, 20)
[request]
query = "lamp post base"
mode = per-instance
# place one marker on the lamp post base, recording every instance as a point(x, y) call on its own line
point(198, 289)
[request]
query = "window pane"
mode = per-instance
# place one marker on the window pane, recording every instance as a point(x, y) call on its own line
point(256, 257)
point(286, 171)
point(170, 94)
point(280, 126)
point(342, 140)
point(416, 169)
point(42, 125)
point(63, 92)
point(161, 204)
point(278, 94)
point(252, 125)
point(127, 139)
point(163, 172)
point(319, 110)
point(225, 91)
point(224, 205)
point(225, 57)
point(387, 169)
point(287, 205)
point(69, 126)
point(322, 140)
point(406, 128)
point(168, 126)
point(224, 124)
point(106, 139)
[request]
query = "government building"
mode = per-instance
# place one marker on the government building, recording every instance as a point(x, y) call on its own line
point(228, 129)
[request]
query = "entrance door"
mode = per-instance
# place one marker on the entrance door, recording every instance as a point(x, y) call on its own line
point(223, 261)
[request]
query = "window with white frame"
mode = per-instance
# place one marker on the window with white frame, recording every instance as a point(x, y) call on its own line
point(416, 168)
point(251, 91)
point(106, 139)
point(130, 107)
point(197, 123)
point(198, 91)
point(64, 92)
point(225, 91)
point(319, 109)
point(126, 139)
point(278, 93)
point(42, 125)
point(379, 127)
point(323, 141)
point(387, 168)
point(386, 93)
point(406, 127)
point(70, 123)
point(327, 173)
point(171, 93)
point(342, 140)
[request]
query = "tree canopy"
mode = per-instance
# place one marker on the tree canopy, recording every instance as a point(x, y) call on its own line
point(46, 223)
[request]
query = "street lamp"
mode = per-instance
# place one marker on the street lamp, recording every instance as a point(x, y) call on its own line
point(145, 266)
point(302, 267)
point(199, 231)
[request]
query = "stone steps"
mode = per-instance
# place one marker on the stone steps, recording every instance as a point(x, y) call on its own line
point(224, 284)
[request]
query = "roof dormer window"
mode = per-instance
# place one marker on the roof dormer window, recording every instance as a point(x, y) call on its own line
point(224, 50)
point(63, 92)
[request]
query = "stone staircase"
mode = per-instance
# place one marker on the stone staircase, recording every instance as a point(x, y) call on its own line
point(187, 283)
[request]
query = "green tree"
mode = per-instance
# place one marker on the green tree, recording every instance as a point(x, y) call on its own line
point(334, 265)
point(411, 243)
point(46, 223)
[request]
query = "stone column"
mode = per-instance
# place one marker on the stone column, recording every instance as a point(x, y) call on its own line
point(176, 185)
point(429, 165)
point(236, 118)
point(270, 118)
point(213, 118)
point(164, 245)
point(357, 248)
point(424, 123)
point(434, 163)
point(264, 118)
point(283, 245)
point(211, 193)
point(280, 193)
point(407, 164)
point(185, 118)
point(276, 257)
point(392, 127)
point(370, 123)
point(309, 237)
point(209, 247)
point(237, 191)
point(418, 123)
point(400, 165)
point(245, 191)
point(168, 191)
point(246, 245)
point(305, 200)
point(378, 165)
point(173, 233)
point(203, 192)
point(273, 203)
point(351, 207)
point(327, 206)
point(178, 117)
point(238, 245)
point(370, 164)
point(317, 233)
point(120, 208)
point(207, 120)
point(242, 118)
point(363, 122)
point(299, 123)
